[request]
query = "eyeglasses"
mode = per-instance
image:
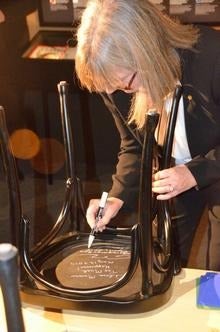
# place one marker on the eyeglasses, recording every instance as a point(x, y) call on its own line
point(128, 86)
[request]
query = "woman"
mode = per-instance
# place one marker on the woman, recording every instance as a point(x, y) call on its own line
point(130, 45)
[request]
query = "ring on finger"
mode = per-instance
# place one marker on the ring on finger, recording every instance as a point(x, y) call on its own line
point(171, 188)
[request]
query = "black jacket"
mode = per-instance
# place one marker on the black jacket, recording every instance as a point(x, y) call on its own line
point(201, 95)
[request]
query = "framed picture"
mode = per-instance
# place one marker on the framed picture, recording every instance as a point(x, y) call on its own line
point(191, 11)
point(67, 13)
point(60, 13)
point(195, 11)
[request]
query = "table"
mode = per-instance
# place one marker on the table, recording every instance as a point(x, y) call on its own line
point(179, 314)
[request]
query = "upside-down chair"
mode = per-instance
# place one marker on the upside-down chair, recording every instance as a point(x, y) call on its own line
point(126, 269)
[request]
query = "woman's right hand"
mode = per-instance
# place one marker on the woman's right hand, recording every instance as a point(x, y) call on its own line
point(111, 209)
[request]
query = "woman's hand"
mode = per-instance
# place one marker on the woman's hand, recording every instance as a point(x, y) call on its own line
point(112, 207)
point(171, 182)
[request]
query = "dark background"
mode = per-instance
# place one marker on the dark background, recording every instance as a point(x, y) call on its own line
point(29, 95)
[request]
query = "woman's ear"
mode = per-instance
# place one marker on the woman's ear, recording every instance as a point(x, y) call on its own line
point(2, 17)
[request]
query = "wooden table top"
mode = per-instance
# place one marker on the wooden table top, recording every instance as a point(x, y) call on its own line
point(179, 314)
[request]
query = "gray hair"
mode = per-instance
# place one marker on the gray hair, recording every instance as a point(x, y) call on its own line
point(135, 35)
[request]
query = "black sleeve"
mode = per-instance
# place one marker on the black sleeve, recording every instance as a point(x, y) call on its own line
point(127, 176)
point(206, 169)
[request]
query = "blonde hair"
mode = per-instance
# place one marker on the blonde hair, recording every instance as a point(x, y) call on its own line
point(135, 35)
